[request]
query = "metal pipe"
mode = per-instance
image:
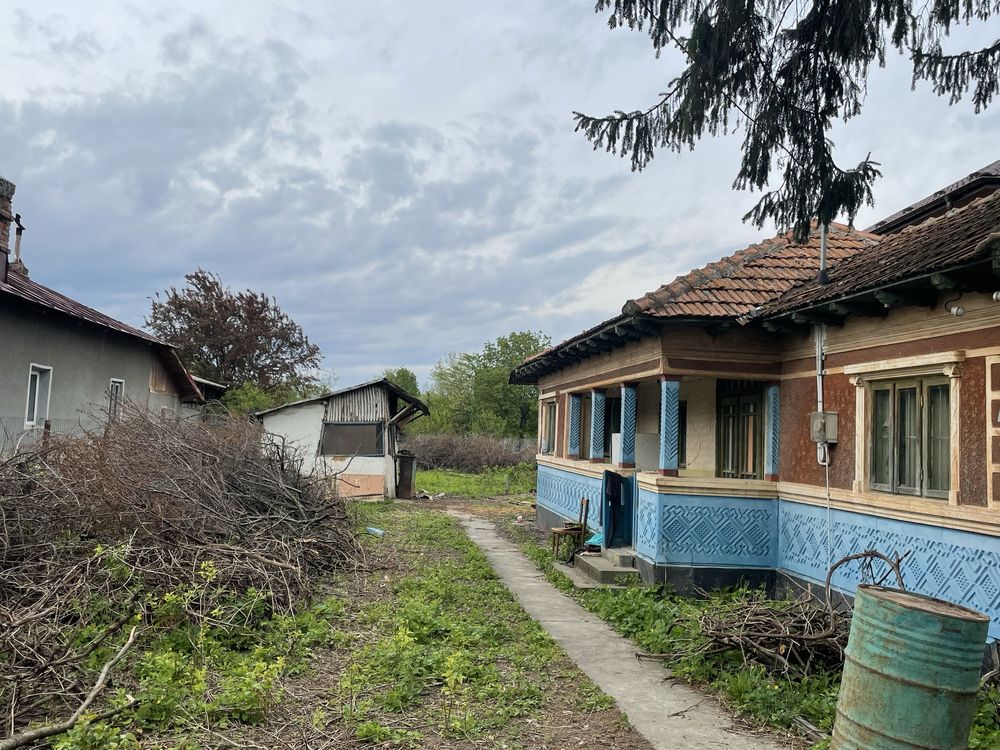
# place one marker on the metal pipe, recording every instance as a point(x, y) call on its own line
point(819, 334)
point(17, 237)
point(822, 276)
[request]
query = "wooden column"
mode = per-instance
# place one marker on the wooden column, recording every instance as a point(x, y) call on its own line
point(630, 402)
point(597, 425)
point(575, 424)
point(670, 425)
point(772, 434)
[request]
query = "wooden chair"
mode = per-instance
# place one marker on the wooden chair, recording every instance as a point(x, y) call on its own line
point(576, 530)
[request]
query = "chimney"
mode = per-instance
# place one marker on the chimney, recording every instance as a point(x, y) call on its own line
point(6, 195)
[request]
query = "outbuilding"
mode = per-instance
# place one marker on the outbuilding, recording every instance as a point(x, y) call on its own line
point(352, 437)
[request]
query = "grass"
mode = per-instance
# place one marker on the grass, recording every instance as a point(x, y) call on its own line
point(667, 624)
point(423, 647)
point(512, 480)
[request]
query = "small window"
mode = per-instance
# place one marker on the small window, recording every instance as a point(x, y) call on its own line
point(39, 389)
point(116, 392)
point(352, 439)
point(549, 435)
point(910, 437)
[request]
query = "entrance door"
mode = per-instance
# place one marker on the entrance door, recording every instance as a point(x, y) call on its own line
point(617, 492)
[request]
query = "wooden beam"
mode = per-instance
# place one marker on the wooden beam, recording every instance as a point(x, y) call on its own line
point(814, 317)
point(944, 282)
point(905, 297)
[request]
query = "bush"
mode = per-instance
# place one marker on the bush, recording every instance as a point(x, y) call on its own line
point(469, 453)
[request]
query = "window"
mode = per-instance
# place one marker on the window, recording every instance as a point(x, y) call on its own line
point(39, 390)
point(911, 437)
point(549, 434)
point(740, 429)
point(116, 392)
point(352, 439)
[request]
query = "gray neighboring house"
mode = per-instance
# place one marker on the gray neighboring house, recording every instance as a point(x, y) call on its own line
point(64, 365)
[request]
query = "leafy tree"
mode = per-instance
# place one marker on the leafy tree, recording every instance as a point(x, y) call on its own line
point(403, 377)
point(782, 73)
point(471, 392)
point(235, 337)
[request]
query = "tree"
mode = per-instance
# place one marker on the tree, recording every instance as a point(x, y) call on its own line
point(403, 377)
point(782, 73)
point(235, 338)
point(471, 392)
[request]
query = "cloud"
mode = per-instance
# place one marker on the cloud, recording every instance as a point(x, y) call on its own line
point(406, 184)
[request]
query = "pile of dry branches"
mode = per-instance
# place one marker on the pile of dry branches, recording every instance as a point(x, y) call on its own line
point(796, 637)
point(99, 529)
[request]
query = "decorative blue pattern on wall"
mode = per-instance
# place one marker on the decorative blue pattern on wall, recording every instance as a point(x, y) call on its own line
point(718, 531)
point(957, 566)
point(647, 524)
point(629, 403)
point(597, 424)
point(560, 491)
point(575, 410)
point(670, 393)
point(773, 430)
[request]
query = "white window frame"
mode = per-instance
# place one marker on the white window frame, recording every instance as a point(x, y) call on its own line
point(115, 409)
point(867, 376)
point(548, 441)
point(34, 368)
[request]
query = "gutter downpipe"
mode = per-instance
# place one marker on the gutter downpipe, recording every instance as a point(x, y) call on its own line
point(823, 449)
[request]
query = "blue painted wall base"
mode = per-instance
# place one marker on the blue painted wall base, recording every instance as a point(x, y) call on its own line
point(684, 537)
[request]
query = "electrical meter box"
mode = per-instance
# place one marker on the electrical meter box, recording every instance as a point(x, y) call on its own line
point(823, 426)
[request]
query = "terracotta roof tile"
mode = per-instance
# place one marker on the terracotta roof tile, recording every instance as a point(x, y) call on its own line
point(960, 236)
point(733, 286)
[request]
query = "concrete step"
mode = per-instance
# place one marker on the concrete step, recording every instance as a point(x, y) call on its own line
point(580, 579)
point(603, 570)
point(623, 557)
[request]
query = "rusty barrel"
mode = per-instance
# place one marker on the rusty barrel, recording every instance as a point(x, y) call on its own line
point(911, 673)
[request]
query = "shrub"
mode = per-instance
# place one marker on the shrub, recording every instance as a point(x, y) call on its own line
point(469, 453)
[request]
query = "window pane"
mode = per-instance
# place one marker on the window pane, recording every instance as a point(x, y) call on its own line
point(882, 437)
point(938, 438)
point(32, 396)
point(749, 417)
point(351, 439)
point(907, 438)
point(728, 442)
point(550, 427)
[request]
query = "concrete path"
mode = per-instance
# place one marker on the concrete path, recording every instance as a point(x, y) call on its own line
point(669, 714)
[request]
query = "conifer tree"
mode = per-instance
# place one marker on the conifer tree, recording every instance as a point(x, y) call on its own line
point(783, 72)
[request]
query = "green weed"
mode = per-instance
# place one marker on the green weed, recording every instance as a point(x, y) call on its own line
point(512, 480)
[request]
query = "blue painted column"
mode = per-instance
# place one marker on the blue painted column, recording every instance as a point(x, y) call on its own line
point(597, 426)
point(670, 425)
point(575, 423)
point(772, 432)
point(630, 399)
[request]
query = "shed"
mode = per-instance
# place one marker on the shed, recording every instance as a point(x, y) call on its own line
point(352, 436)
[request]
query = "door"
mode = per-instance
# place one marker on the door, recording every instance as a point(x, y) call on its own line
point(617, 494)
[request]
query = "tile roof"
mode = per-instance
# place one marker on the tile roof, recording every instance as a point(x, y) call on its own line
point(961, 236)
point(726, 289)
point(988, 174)
point(735, 285)
point(31, 291)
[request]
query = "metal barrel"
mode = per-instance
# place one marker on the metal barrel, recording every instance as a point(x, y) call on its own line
point(911, 673)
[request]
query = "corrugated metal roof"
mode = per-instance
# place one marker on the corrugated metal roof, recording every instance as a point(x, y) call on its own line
point(382, 382)
point(31, 291)
point(23, 288)
point(962, 235)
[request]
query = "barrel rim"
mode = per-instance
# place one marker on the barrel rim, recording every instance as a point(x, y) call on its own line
point(920, 602)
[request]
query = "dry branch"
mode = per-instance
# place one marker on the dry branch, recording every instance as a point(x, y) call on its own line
point(97, 525)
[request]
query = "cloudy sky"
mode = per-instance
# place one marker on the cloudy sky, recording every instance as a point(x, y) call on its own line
point(403, 177)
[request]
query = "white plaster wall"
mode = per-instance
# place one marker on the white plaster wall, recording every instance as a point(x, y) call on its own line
point(699, 393)
point(301, 426)
point(647, 416)
point(367, 465)
point(647, 451)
